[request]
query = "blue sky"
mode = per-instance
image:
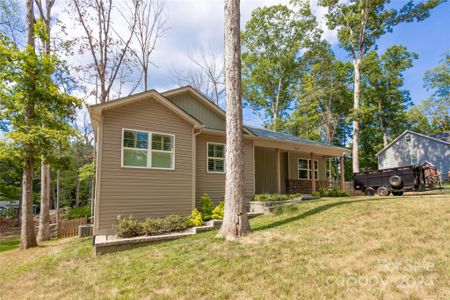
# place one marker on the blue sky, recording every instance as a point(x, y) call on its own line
point(199, 23)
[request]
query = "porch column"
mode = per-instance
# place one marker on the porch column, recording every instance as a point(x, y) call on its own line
point(277, 171)
point(313, 173)
point(342, 177)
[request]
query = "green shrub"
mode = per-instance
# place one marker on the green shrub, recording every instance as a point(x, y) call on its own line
point(196, 218)
point(335, 192)
point(129, 228)
point(79, 212)
point(206, 207)
point(274, 197)
point(218, 211)
point(315, 194)
point(154, 226)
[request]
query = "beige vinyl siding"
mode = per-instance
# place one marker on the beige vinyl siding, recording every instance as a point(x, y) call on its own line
point(143, 192)
point(293, 164)
point(198, 110)
point(265, 181)
point(264, 170)
point(213, 184)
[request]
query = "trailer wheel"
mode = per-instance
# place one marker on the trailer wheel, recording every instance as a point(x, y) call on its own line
point(369, 191)
point(397, 193)
point(383, 191)
point(395, 181)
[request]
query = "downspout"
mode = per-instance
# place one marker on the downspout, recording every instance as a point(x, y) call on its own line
point(194, 164)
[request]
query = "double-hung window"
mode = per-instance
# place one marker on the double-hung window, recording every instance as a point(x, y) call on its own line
point(386, 163)
point(216, 158)
point(305, 169)
point(414, 158)
point(138, 152)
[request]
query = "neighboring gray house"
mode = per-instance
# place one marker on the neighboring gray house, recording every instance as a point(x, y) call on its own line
point(412, 148)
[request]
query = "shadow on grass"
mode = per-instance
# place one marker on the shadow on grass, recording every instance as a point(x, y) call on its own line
point(313, 211)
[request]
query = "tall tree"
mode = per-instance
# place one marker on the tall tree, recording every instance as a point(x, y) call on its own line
point(272, 40)
point(45, 13)
point(151, 25)
point(235, 221)
point(437, 107)
point(206, 75)
point(360, 23)
point(11, 21)
point(107, 46)
point(30, 99)
point(323, 96)
point(383, 92)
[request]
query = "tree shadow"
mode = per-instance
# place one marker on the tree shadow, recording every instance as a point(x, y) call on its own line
point(314, 211)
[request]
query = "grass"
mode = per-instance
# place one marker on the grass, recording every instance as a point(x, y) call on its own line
point(9, 244)
point(353, 248)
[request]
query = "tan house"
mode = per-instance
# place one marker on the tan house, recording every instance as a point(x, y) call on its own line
point(157, 153)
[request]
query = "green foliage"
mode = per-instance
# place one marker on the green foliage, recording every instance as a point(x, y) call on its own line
point(324, 97)
point(79, 212)
point(272, 41)
point(87, 172)
point(436, 109)
point(128, 227)
point(315, 194)
point(218, 211)
point(155, 226)
point(32, 105)
point(335, 192)
point(274, 197)
point(206, 205)
point(196, 218)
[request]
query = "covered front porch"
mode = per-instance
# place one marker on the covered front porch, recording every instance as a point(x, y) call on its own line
point(288, 168)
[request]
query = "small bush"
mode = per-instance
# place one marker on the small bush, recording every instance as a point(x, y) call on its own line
point(129, 228)
point(274, 197)
point(196, 218)
point(154, 226)
point(335, 192)
point(79, 212)
point(218, 211)
point(315, 194)
point(206, 207)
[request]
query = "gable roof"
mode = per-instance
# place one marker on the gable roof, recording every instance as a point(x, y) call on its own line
point(203, 98)
point(96, 109)
point(444, 136)
point(431, 137)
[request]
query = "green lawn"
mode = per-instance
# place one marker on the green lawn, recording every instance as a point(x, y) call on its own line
point(9, 244)
point(353, 248)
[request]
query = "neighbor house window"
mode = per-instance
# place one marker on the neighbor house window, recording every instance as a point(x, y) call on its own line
point(386, 162)
point(216, 158)
point(414, 159)
point(407, 138)
point(305, 169)
point(137, 153)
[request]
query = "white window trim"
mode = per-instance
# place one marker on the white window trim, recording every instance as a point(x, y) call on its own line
point(149, 150)
point(208, 157)
point(411, 157)
point(308, 163)
point(386, 162)
point(407, 136)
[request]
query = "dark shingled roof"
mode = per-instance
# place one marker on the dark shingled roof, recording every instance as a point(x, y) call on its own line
point(444, 136)
point(285, 137)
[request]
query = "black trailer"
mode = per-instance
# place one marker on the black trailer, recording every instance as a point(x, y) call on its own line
point(422, 177)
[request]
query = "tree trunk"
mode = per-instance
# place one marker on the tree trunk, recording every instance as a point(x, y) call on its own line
point(44, 217)
point(58, 180)
point(27, 236)
point(355, 154)
point(77, 178)
point(235, 222)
